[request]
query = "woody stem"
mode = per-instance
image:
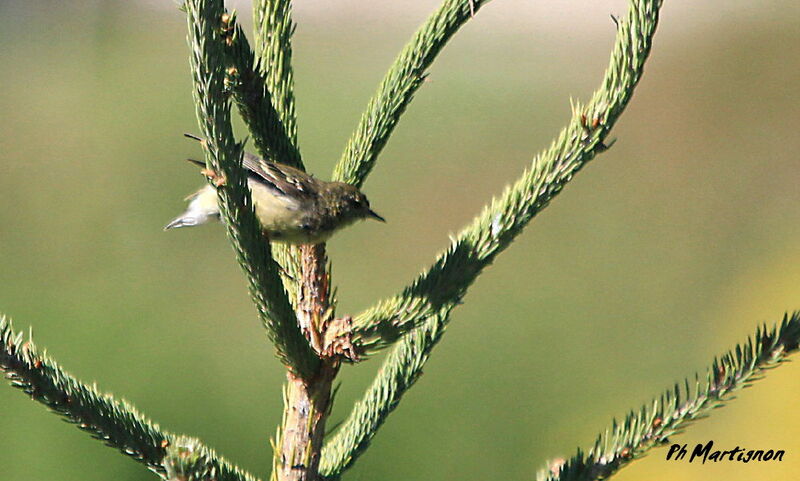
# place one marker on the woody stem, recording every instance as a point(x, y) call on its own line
point(307, 400)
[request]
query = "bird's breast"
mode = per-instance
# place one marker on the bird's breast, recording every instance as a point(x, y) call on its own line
point(276, 213)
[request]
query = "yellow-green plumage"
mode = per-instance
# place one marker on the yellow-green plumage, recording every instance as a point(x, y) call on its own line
point(292, 206)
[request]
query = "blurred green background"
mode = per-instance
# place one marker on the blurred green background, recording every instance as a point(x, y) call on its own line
point(662, 253)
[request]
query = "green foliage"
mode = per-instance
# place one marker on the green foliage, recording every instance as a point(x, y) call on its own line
point(260, 82)
point(653, 424)
point(397, 89)
point(273, 33)
point(402, 368)
point(114, 422)
point(428, 301)
point(273, 29)
point(188, 460)
point(446, 282)
point(224, 156)
point(254, 100)
point(255, 104)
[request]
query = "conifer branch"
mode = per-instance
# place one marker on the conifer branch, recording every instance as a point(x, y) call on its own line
point(115, 422)
point(261, 84)
point(254, 100)
point(188, 460)
point(398, 88)
point(653, 424)
point(273, 45)
point(399, 372)
point(446, 282)
point(426, 304)
point(307, 401)
point(224, 160)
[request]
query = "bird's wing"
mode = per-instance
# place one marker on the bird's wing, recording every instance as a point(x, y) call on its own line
point(284, 180)
point(281, 179)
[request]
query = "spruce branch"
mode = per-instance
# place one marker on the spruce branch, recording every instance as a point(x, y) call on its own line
point(398, 88)
point(254, 100)
point(306, 398)
point(307, 401)
point(446, 282)
point(115, 422)
point(224, 161)
point(400, 371)
point(273, 46)
point(273, 30)
point(188, 460)
point(652, 425)
point(426, 304)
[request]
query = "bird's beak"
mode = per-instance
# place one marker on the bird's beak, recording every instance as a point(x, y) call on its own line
point(375, 215)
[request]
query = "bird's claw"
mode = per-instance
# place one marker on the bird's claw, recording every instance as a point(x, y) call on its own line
point(216, 179)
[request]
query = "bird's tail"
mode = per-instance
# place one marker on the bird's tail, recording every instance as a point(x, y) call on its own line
point(202, 209)
point(181, 221)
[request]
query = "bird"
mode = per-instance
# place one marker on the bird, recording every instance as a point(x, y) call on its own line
point(292, 206)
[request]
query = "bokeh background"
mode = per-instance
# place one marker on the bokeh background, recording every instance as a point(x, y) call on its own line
point(662, 253)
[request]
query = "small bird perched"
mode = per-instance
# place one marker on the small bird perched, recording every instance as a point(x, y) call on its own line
point(292, 206)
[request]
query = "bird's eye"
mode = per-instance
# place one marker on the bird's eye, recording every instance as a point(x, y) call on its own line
point(354, 202)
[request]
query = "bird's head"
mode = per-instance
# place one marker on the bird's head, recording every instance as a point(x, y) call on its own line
point(347, 203)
